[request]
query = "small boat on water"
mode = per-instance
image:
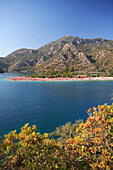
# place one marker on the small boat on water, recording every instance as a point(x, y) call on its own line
point(40, 84)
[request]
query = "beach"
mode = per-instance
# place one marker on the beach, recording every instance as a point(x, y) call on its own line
point(25, 78)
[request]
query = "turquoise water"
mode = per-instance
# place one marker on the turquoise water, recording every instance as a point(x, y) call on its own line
point(49, 105)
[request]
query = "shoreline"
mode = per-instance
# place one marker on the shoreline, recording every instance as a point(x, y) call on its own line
point(60, 79)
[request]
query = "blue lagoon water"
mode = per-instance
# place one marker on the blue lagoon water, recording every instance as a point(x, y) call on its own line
point(49, 105)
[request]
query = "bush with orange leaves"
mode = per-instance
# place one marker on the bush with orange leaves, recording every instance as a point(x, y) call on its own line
point(95, 137)
point(90, 148)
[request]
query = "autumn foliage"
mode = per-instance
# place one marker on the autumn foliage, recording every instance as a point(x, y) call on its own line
point(90, 148)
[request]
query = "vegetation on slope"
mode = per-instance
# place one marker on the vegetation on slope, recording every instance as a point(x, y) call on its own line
point(1, 71)
point(90, 145)
point(65, 72)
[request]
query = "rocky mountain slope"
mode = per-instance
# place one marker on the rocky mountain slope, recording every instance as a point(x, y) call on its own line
point(82, 54)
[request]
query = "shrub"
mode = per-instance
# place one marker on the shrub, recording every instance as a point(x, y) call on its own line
point(90, 146)
point(62, 133)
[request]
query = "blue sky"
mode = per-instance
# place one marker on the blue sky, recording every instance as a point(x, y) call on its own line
point(33, 23)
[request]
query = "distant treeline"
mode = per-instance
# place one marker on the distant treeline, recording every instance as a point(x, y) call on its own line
point(66, 72)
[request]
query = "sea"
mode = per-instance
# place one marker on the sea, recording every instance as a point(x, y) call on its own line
point(50, 105)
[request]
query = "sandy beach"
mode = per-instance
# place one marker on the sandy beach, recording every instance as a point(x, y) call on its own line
point(24, 78)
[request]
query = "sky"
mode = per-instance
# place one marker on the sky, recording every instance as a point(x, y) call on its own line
point(33, 23)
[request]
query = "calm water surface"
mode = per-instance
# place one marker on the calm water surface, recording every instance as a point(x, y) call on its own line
point(49, 105)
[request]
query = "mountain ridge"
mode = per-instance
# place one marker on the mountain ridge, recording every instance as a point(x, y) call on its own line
point(68, 51)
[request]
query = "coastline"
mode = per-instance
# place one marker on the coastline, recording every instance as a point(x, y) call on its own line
point(24, 78)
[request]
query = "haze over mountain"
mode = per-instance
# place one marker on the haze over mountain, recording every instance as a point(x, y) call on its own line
point(82, 54)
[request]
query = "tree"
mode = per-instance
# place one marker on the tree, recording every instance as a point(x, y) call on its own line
point(66, 131)
point(64, 70)
point(1, 71)
point(71, 69)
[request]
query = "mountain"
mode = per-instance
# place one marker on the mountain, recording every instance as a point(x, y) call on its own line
point(82, 54)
